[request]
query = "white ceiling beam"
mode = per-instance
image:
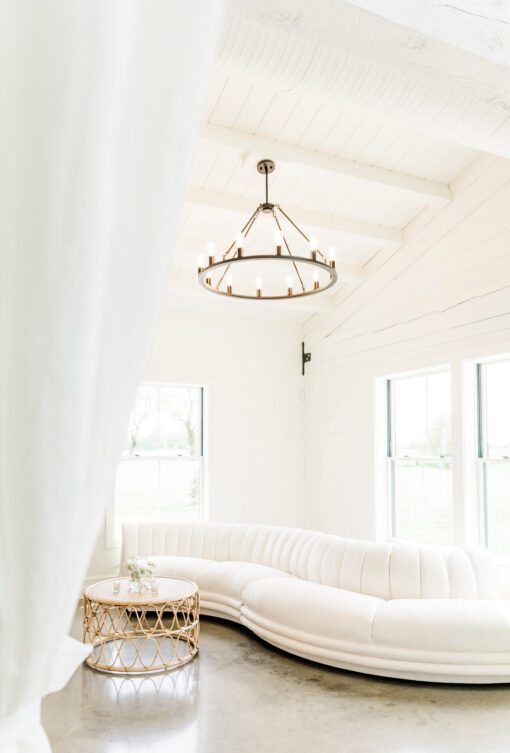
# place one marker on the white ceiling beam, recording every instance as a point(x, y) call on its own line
point(179, 285)
point(192, 246)
point(427, 191)
point(374, 234)
point(417, 85)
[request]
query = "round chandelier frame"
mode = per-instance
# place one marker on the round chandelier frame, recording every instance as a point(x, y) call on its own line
point(234, 255)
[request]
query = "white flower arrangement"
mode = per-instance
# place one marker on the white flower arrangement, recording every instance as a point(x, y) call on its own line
point(140, 574)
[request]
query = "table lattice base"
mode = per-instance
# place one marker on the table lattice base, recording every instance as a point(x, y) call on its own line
point(144, 638)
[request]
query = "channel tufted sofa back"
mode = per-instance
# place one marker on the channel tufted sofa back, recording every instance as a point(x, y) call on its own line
point(387, 570)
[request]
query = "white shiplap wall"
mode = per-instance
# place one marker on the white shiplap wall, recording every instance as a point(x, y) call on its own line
point(442, 298)
point(254, 424)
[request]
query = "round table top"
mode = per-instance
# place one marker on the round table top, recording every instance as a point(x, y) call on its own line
point(169, 590)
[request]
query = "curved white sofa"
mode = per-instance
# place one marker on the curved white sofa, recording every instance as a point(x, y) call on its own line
point(398, 610)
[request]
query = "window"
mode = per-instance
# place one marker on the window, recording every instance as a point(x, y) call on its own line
point(493, 386)
point(160, 472)
point(419, 457)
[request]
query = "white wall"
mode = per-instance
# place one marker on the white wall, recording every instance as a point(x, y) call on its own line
point(254, 421)
point(442, 298)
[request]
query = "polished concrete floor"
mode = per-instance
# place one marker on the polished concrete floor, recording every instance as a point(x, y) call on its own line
point(240, 696)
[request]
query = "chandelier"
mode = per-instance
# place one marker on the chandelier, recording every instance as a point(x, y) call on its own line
point(218, 276)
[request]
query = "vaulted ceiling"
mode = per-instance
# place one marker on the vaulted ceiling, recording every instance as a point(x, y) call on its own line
point(368, 121)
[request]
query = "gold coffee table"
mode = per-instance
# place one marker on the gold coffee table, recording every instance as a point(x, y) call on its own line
point(135, 633)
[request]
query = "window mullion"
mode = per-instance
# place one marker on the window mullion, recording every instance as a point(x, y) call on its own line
point(483, 494)
point(480, 403)
point(482, 454)
point(390, 444)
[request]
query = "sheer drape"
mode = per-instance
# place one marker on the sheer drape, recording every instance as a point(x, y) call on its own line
point(100, 105)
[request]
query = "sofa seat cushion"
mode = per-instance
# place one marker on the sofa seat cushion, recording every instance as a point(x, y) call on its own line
point(444, 625)
point(227, 580)
point(191, 568)
point(293, 605)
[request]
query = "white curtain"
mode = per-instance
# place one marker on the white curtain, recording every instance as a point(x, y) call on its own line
point(101, 101)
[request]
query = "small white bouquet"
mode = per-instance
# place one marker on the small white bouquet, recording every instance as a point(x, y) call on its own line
point(141, 575)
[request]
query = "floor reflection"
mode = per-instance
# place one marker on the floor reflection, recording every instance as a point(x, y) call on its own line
point(177, 686)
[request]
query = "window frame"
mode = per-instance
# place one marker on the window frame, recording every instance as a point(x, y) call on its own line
point(390, 444)
point(482, 459)
point(112, 521)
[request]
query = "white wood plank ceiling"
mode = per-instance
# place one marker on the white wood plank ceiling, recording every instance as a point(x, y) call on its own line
point(353, 179)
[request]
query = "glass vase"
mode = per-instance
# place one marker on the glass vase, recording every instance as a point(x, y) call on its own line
point(135, 585)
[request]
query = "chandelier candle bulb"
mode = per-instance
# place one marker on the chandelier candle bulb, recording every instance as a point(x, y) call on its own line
point(258, 286)
point(200, 262)
point(208, 281)
point(278, 241)
point(239, 243)
point(332, 255)
point(229, 283)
